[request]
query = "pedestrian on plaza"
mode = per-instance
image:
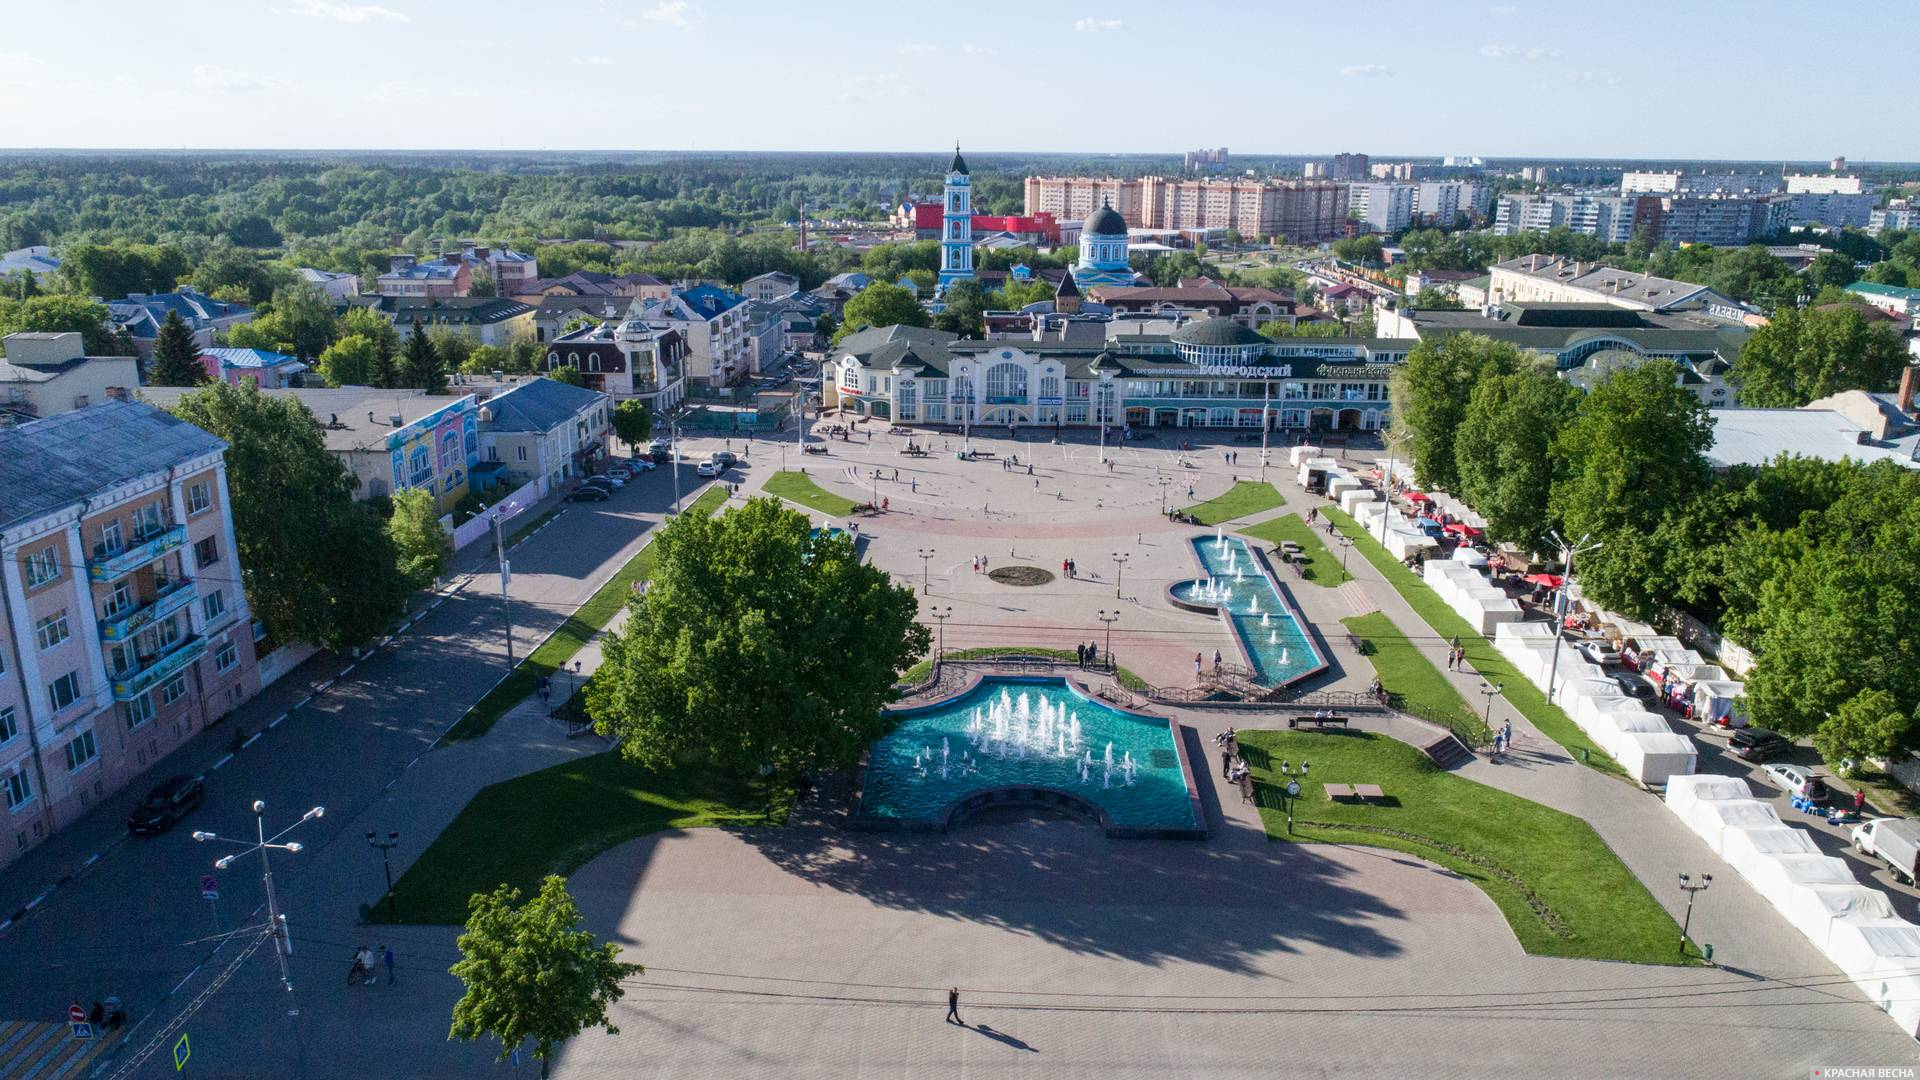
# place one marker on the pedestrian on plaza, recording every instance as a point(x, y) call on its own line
point(1036, 483)
point(1080, 654)
point(546, 689)
point(1189, 491)
point(386, 959)
point(885, 504)
point(896, 476)
point(1312, 514)
point(1450, 655)
point(953, 1007)
point(1216, 661)
point(1196, 667)
point(1506, 732)
point(1030, 471)
point(916, 485)
point(1063, 568)
point(1226, 764)
point(983, 563)
point(1859, 800)
point(1226, 458)
point(976, 564)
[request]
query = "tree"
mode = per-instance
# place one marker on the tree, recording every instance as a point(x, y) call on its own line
point(1430, 393)
point(1634, 452)
point(1830, 268)
point(569, 375)
point(421, 547)
point(176, 355)
point(1502, 450)
point(1277, 330)
point(1802, 355)
point(532, 973)
point(420, 366)
point(382, 372)
point(454, 345)
point(966, 303)
point(759, 642)
point(632, 421)
point(347, 362)
point(317, 566)
point(881, 304)
point(483, 284)
point(61, 314)
point(1870, 725)
point(1435, 300)
point(1015, 295)
point(1365, 250)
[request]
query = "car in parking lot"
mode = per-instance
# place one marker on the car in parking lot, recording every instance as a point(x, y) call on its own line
point(1632, 685)
point(1758, 744)
point(1599, 652)
point(606, 480)
point(726, 458)
point(709, 468)
point(168, 802)
point(640, 464)
point(620, 471)
point(589, 493)
point(1797, 780)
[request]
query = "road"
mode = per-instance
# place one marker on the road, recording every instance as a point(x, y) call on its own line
point(134, 924)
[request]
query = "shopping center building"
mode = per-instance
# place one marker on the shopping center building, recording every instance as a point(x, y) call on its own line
point(1214, 373)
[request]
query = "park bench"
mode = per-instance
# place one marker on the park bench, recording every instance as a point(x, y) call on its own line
point(1319, 721)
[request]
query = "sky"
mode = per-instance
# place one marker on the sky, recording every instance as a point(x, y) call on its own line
point(1546, 78)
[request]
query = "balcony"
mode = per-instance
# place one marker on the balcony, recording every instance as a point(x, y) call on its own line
point(108, 568)
point(128, 685)
point(172, 596)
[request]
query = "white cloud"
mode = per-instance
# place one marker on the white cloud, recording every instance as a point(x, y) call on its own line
point(596, 61)
point(1367, 71)
point(675, 13)
point(1580, 76)
point(214, 79)
point(1495, 52)
point(346, 13)
point(1095, 26)
point(1501, 10)
point(916, 48)
point(1536, 53)
point(971, 49)
point(886, 84)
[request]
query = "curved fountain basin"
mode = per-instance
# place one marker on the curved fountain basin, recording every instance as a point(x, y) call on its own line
point(904, 785)
point(1276, 645)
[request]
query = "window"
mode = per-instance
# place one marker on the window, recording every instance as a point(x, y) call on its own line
point(81, 750)
point(146, 521)
point(52, 630)
point(110, 541)
point(226, 656)
point(122, 659)
point(139, 711)
point(520, 453)
point(64, 690)
point(166, 634)
point(42, 567)
point(9, 726)
point(173, 689)
point(119, 598)
point(206, 552)
point(214, 605)
point(199, 497)
point(19, 791)
point(493, 453)
point(419, 466)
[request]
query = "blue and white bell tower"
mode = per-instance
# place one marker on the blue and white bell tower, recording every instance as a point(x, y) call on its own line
point(956, 231)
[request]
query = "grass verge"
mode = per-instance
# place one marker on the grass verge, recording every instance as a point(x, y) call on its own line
point(556, 820)
point(799, 487)
point(924, 668)
point(1413, 680)
point(1519, 692)
point(587, 620)
point(1561, 888)
point(1243, 498)
point(1317, 564)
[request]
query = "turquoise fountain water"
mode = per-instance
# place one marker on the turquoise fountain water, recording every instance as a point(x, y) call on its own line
point(1012, 731)
point(1275, 641)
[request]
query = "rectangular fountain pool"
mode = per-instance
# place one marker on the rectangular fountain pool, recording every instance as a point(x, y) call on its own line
point(1037, 740)
point(1277, 646)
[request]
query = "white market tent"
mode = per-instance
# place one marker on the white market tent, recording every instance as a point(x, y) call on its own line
point(1298, 454)
point(1881, 955)
point(1612, 727)
point(1340, 485)
point(1404, 544)
point(1652, 757)
point(1815, 908)
point(1350, 500)
point(1777, 876)
point(1711, 819)
point(1715, 699)
point(1743, 848)
point(1468, 556)
point(1586, 711)
point(1684, 792)
point(1579, 679)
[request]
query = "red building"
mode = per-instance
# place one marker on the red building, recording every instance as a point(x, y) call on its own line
point(1037, 229)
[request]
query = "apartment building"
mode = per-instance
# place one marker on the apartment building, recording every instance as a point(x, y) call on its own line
point(1896, 216)
point(1385, 208)
point(1441, 202)
point(1075, 198)
point(1304, 210)
point(126, 629)
point(45, 374)
point(1609, 217)
point(1824, 184)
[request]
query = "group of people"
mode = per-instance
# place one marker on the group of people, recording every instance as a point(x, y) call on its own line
point(1069, 567)
point(1233, 767)
point(1089, 653)
point(1456, 655)
point(105, 1016)
point(1502, 740)
point(1199, 658)
point(363, 961)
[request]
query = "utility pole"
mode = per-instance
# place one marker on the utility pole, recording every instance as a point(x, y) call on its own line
point(1266, 407)
point(1567, 551)
point(1109, 617)
point(1491, 691)
point(940, 617)
point(673, 458)
point(1692, 890)
point(1119, 564)
point(385, 846)
point(506, 573)
point(276, 922)
point(926, 556)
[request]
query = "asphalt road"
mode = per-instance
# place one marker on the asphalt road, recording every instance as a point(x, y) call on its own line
point(134, 923)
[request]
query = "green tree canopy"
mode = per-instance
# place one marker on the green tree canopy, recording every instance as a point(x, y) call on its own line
point(420, 365)
point(757, 643)
point(176, 355)
point(347, 362)
point(317, 566)
point(1802, 355)
point(63, 314)
point(881, 304)
point(1365, 250)
point(421, 547)
point(1430, 393)
point(532, 973)
point(966, 302)
point(633, 422)
point(1502, 451)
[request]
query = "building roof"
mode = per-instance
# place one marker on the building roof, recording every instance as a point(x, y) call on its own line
point(780, 276)
point(142, 313)
point(431, 270)
point(453, 310)
point(1874, 288)
point(49, 464)
point(250, 358)
point(1629, 286)
point(342, 411)
point(321, 277)
point(709, 301)
point(901, 346)
point(1105, 221)
point(599, 305)
point(537, 405)
point(35, 260)
point(958, 164)
point(1757, 436)
point(1218, 330)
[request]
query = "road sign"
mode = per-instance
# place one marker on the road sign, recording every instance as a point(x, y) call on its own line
point(209, 888)
point(82, 1031)
point(181, 1051)
point(76, 1014)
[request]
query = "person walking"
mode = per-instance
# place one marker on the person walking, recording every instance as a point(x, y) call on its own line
point(386, 960)
point(1216, 661)
point(1859, 801)
point(1080, 655)
point(1196, 667)
point(953, 1007)
point(1226, 763)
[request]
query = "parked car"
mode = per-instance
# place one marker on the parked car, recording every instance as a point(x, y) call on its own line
point(1758, 744)
point(620, 472)
point(726, 458)
point(709, 468)
point(640, 464)
point(1599, 652)
point(166, 804)
point(606, 480)
point(1894, 841)
point(658, 446)
point(592, 493)
point(1633, 685)
point(1797, 780)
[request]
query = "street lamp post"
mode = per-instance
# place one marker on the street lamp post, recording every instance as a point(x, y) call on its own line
point(926, 557)
point(1490, 691)
point(386, 863)
point(940, 617)
point(1109, 617)
point(1346, 544)
point(276, 922)
point(1266, 406)
point(1692, 889)
point(1292, 788)
point(1568, 551)
point(1119, 566)
point(572, 671)
point(506, 511)
point(1163, 482)
point(673, 458)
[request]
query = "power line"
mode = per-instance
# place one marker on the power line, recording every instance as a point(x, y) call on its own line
point(179, 1019)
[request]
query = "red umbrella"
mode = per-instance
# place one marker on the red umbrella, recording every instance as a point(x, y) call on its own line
point(1551, 581)
point(1462, 528)
point(1419, 497)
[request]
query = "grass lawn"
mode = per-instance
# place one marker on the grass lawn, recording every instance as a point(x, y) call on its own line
point(1590, 906)
point(924, 668)
point(589, 619)
point(1243, 498)
point(554, 821)
point(1413, 680)
point(1529, 699)
point(799, 487)
point(1320, 566)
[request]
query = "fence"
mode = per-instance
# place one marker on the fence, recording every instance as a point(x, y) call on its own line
point(482, 523)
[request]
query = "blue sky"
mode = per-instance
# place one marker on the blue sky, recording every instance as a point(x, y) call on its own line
point(1744, 79)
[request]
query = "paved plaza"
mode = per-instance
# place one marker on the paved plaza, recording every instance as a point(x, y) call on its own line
point(812, 951)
